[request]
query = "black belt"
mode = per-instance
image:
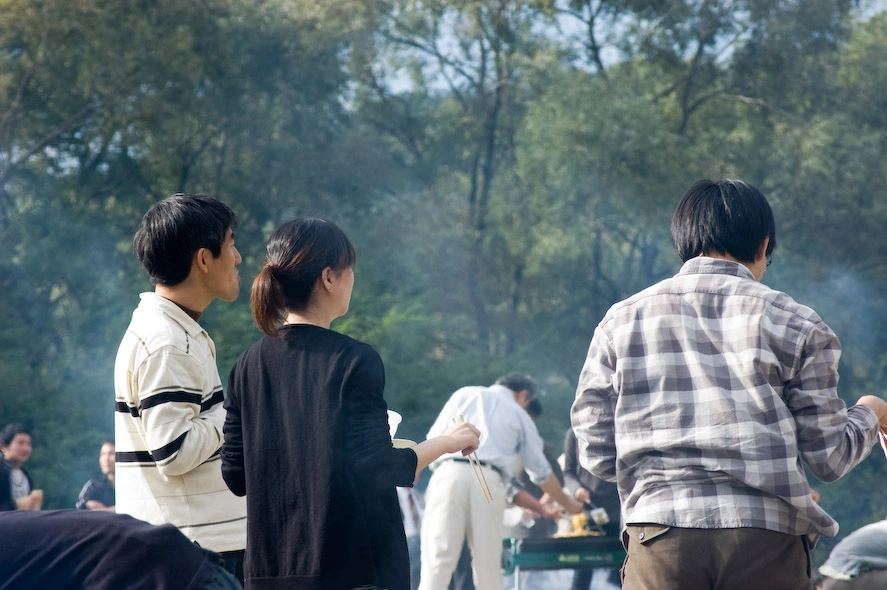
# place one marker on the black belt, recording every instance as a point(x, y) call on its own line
point(485, 464)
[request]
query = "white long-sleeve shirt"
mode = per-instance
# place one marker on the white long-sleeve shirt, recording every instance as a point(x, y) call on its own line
point(506, 430)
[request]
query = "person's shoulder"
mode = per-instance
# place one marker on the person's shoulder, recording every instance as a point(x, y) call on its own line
point(470, 391)
point(93, 482)
point(344, 346)
point(784, 310)
point(345, 343)
point(158, 323)
point(786, 302)
point(632, 301)
point(259, 353)
point(873, 530)
point(360, 349)
point(255, 347)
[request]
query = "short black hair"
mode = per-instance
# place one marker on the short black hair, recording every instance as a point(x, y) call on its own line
point(10, 431)
point(517, 382)
point(174, 229)
point(726, 217)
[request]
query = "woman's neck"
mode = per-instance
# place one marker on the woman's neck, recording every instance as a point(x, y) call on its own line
point(308, 317)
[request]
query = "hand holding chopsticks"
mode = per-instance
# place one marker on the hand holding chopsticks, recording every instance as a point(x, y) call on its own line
point(478, 470)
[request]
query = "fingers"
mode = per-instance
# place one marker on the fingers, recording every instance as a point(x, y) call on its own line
point(466, 435)
point(472, 428)
point(469, 435)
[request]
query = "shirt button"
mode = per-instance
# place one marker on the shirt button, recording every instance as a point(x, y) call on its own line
point(641, 536)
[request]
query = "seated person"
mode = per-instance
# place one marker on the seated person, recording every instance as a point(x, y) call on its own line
point(16, 487)
point(98, 493)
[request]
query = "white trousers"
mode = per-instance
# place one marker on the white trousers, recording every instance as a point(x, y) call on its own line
point(456, 510)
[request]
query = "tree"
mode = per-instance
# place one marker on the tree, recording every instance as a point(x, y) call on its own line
point(193, 100)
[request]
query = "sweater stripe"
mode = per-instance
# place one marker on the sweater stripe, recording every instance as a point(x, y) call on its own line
point(133, 457)
point(124, 408)
point(155, 456)
point(168, 450)
point(217, 397)
point(170, 397)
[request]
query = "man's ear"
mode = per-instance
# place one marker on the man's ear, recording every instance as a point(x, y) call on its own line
point(762, 249)
point(200, 258)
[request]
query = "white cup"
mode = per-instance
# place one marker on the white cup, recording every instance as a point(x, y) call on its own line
point(394, 420)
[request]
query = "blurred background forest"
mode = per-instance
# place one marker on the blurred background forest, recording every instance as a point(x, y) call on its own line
point(507, 170)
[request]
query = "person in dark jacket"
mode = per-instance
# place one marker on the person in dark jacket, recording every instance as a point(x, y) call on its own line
point(98, 493)
point(306, 434)
point(98, 550)
point(16, 487)
point(591, 490)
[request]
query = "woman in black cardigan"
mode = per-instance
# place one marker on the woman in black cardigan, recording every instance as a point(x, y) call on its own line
point(306, 434)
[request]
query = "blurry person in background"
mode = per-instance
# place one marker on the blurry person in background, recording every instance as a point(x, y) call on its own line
point(704, 396)
point(98, 493)
point(528, 513)
point(858, 561)
point(169, 414)
point(16, 488)
point(456, 509)
point(307, 437)
point(591, 490)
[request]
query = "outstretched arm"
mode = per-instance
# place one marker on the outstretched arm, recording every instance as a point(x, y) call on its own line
point(553, 488)
point(461, 436)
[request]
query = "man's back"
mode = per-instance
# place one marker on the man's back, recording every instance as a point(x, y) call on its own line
point(716, 373)
point(507, 431)
point(703, 396)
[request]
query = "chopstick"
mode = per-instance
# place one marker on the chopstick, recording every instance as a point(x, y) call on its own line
point(478, 471)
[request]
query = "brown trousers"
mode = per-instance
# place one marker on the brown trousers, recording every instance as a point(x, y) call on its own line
point(670, 558)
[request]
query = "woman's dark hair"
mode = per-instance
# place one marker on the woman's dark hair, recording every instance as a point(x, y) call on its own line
point(297, 254)
point(10, 431)
point(174, 229)
point(727, 217)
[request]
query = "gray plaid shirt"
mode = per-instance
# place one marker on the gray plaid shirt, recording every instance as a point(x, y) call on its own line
point(702, 395)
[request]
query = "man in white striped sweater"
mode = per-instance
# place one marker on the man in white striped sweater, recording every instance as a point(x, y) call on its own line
point(169, 415)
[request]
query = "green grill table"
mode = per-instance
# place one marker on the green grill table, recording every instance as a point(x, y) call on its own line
point(562, 553)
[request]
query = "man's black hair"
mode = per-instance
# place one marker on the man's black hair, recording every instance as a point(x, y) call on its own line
point(724, 217)
point(174, 229)
point(11, 431)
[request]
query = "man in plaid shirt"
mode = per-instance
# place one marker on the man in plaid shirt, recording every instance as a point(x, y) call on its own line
point(702, 396)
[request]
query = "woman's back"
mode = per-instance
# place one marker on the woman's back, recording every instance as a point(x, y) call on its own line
point(316, 462)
